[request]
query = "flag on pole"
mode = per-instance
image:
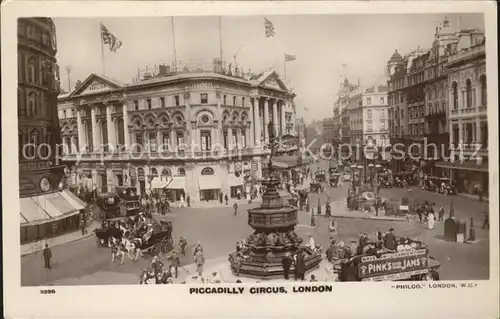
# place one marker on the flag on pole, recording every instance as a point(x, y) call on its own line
point(289, 57)
point(269, 28)
point(108, 38)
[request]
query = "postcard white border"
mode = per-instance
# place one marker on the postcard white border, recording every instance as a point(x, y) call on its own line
point(347, 300)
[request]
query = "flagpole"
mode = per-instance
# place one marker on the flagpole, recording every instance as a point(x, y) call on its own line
point(284, 70)
point(220, 39)
point(173, 37)
point(102, 52)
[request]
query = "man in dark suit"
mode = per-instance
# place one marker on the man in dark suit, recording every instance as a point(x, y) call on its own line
point(286, 262)
point(47, 255)
point(390, 240)
point(300, 266)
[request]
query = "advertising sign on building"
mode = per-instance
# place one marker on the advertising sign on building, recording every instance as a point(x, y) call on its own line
point(393, 263)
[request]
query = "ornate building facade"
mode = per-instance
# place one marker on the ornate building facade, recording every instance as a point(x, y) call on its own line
point(197, 133)
point(46, 207)
point(467, 104)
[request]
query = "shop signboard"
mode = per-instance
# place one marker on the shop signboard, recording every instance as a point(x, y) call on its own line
point(393, 263)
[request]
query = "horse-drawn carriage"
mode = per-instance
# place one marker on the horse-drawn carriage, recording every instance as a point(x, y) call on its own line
point(317, 187)
point(320, 176)
point(441, 185)
point(121, 203)
point(410, 263)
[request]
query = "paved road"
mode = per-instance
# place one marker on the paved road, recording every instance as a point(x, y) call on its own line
point(218, 230)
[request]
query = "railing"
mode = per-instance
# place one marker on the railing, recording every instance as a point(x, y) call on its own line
point(470, 111)
point(467, 53)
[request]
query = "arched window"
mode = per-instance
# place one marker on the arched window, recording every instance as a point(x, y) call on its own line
point(207, 171)
point(21, 106)
point(181, 172)
point(166, 172)
point(482, 81)
point(31, 70)
point(120, 131)
point(154, 171)
point(468, 92)
point(455, 95)
point(32, 104)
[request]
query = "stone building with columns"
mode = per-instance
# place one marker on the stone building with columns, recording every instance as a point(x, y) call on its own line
point(467, 112)
point(197, 132)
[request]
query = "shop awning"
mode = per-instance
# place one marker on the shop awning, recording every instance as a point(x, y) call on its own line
point(31, 213)
point(158, 182)
point(177, 182)
point(48, 207)
point(209, 182)
point(76, 202)
point(234, 181)
point(469, 166)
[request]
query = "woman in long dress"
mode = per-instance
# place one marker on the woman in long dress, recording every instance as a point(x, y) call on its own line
point(430, 220)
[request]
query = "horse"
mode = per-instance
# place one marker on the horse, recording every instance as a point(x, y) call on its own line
point(132, 248)
point(147, 277)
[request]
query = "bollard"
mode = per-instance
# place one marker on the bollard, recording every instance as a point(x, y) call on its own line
point(319, 207)
point(472, 232)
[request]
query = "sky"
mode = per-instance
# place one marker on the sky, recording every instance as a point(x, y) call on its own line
point(322, 44)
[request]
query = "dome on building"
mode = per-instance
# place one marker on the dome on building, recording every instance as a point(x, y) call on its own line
point(396, 57)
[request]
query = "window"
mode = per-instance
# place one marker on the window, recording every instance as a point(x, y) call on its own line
point(370, 127)
point(31, 32)
point(165, 141)
point(242, 101)
point(176, 98)
point(224, 99)
point(204, 98)
point(64, 114)
point(382, 100)
point(468, 92)
point(225, 140)
point(148, 101)
point(181, 172)
point(206, 141)
point(162, 102)
point(455, 95)
point(136, 105)
point(180, 140)
point(34, 140)
point(382, 113)
point(152, 142)
point(207, 171)
point(456, 136)
point(369, 114)
point(31, 70)
point(166, 172)
point(369, 101)
point(32, 102)
point(243, 140)
point(422, 129)
point(402, 114)
point(234, 100)
point(482, 81)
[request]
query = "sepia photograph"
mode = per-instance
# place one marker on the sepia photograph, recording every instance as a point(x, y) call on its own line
point(287, 153)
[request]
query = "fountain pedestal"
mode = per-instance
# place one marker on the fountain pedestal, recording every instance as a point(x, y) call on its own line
point(273, 237)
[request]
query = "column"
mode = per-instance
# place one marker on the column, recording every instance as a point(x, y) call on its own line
point(219, 133)
point(159, 141)
point(125, 127)
point(110, 129)
point(188, 118)
point(81, 140)
point(479, 138)
point(460, 133)
point(172, 140)
point(229, 138)
point(95, 140)
point(283, 119)
point(238, 138)
point(266, 119)
point(293, 132)
point(256, 121)
point(275, 118)
point(73, 146)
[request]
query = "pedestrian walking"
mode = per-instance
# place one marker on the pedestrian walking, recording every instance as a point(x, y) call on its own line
point(47, 256)
point(221, 197)
point(82, 225)
point(226, 199)
point(175, 263)
point(182, 203)
point(286, 262)
point(235, 208)
point(182, 245)
point(300, 266)
point(486, 222)
point(188, 201)
point(441, 214)
point(199, 260)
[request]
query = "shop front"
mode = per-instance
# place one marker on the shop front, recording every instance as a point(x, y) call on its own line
point(235, 182)
point(176, 187)
point(49, 215)
point(209, 187)
point(468, 177)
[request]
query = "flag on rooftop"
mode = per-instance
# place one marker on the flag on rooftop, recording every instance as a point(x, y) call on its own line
point(108, 38)
point(269, 28)
point(289, 57)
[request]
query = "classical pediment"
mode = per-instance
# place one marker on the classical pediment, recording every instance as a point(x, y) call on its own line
point(272, 81)
point(96, 84)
